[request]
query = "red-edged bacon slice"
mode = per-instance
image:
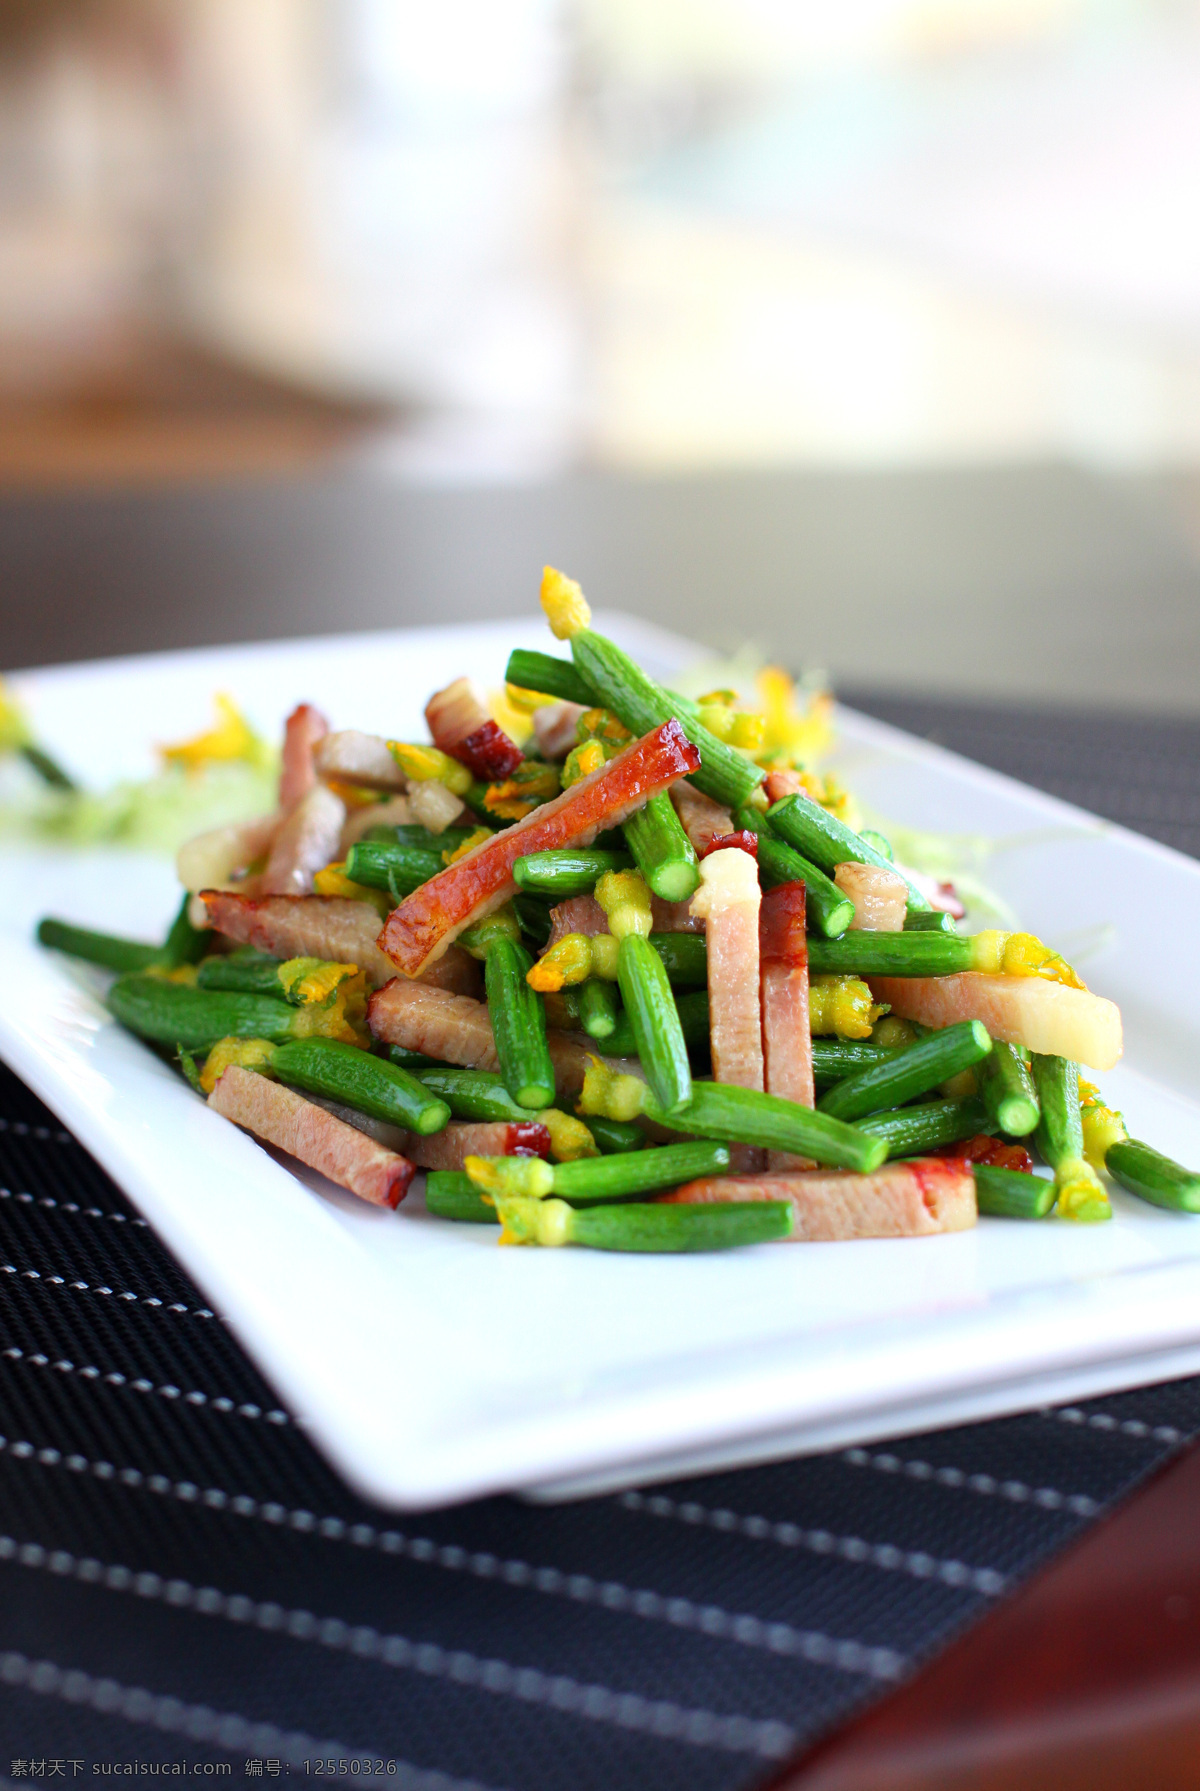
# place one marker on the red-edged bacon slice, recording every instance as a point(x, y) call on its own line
point(787, 1042)
point(281, 1117)
point(555, 725)
point(334, 928)
point(304, 728)
point(456, 1030)
point(902, 1200)
point(740, 841)
point(450, 1148)
point(421, 928)
point(306, 842)
point(462, 727)
point(702, 818)
point(352, 757)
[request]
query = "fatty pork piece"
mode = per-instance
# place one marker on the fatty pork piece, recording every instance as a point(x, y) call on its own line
point(334, 928)
point(395, 812)
point(461, 726)
point(353, 757)
point(703, 819)
point(880, 896)
point(914, 1199)
point(1022, 1010)
point(304, 730)
point(728, 900)
point(281, 1117)
point(787, 1040)
point(454, 1029)
point(213, 860)
point(555, 727)
point(306, 842)
point(426, 922)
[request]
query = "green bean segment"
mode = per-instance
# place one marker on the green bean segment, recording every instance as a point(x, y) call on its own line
point(1008, 1194)
point(369, 1084)
point(912, 1071)
point(184, 943)
point(1153, 1177)
point(864, 953)
point(747, 1116)
point(654, 1017)
point(622, 686)
point(598, 1009)
point(245, 971)
point(662, 850)
point(519, 1024)
point(472, 1094)
point(812, 830)
point(616, 1135)
point(651, 1228)
point(451, 1194)
point(176, 1014)
point(684, 957)
point(397, 869)
point(567, 872)
point(910, 1131)
point(1007, 1086)
point(533, 918)
point(105, 949)
point(826, 907)
point(592, 1180)
point(550, 676)
point(692, 1010)
point(936, 920)
point(834, 1059)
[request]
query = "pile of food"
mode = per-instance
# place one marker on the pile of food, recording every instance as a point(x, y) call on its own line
point(616, 969)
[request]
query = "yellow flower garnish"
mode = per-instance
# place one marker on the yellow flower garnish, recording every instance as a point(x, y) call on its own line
point(333, 881)
point(601, 724)
point(841, 1005)
point(625, 899)
point(342, 1016)
point(566, 963)
point(496, 1176)
point(570, 1139)
point(307, 980)
point(530, 785)
point(582, 760)
point(476, 838)
point(1020, 954)
point(429, 764)
point(14, 729)
point(231, 738)
point(248, 1054)
point(611, 1094)
point(567, 609)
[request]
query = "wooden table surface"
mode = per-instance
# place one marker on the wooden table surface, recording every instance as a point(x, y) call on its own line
point(1086, 1680)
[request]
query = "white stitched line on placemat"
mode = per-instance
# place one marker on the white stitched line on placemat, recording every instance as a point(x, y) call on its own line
point(1048, 1498)
point(766, 1738)
point(221, 1728)
point(70, 1206)
point(9, 1268)
point(822, 1542)
point(221, 1403)
point(1126, 1427)
point(857, 1658)
point(43, 1134)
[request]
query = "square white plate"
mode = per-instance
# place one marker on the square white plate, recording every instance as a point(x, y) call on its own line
point(431, 1366)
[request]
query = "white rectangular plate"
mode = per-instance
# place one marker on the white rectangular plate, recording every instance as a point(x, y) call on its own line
point(431, 1366)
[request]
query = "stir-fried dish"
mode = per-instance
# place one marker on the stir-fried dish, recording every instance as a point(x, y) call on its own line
point(616, 968)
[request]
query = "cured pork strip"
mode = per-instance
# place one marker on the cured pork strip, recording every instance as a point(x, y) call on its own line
point(395, 812)
point(779, 784)
point(353, 757)
point(335, 928)
point(787, 1039)
point(461, 726)
point(728, 902)
point(211, 860)
point(880, 896)
point(306, 842)
point(455, 1029)
point(902, 1200)
point(421, 928)
point(304, 729)
point(554, 725)
point(1021, 1010)
point(578, 914)
point(703, 819)
point(281, 1117)
point(450, 1148)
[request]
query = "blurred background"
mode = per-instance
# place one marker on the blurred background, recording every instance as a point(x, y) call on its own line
point(870, 330)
